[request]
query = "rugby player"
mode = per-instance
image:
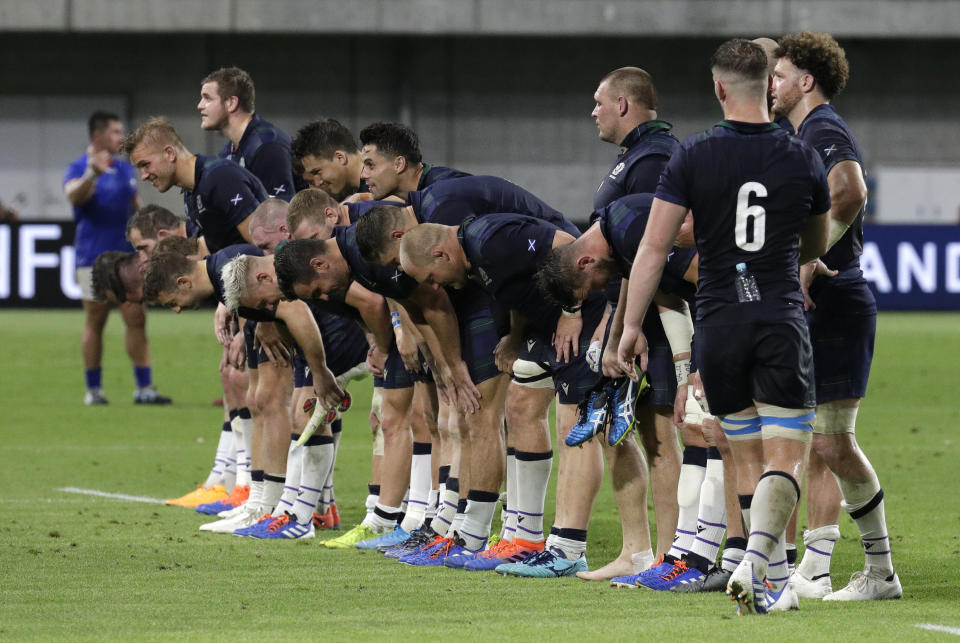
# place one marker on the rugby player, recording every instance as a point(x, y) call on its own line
point(329, 158)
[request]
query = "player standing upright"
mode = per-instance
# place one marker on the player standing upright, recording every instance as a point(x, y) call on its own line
point(753, 214)
point(103, 192)
point(812, 70)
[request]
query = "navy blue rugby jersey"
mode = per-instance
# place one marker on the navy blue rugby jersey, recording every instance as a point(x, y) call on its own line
point(751, 187)
point(223, 196)
point(505, 251)
point(383, 280)
point(356, 209)
point(450, 202)
point(434, 173)
point(622, 224)
point(829, 135)
point(264, 149)
point(646, 150)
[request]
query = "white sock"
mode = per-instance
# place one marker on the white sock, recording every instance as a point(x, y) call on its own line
point(373, 497)
point(421, 479)
point(432, 506)
point(778, 572)
point(864, 502)
point(230, 468)
point(291, 486)
point(318, 454)
point(256, 496)
point(478, 517)
point(733, 552)
point(383, 520)
point(692, 473)
point(818, 549)
point(458, 517)
point(243, 436)
point(569, 548)
point(328, 496)
point(447, 508)
point(272, 490)
point(508, 518)
point(533, 475)
point(711, 516)
point(773, 502)
point(216, 475)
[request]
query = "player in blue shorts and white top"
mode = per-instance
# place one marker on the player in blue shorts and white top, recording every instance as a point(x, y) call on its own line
point(757, 215)
point(842, 317)
point(103, 192)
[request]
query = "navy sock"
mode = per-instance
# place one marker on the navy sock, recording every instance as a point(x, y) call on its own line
point(143, 376)
point(93, 376)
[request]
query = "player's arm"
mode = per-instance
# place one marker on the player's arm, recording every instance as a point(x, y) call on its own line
point(433, 306)
point(814, 237)
point(407, 336)
point(508, 348)
point(80, 189)
point(303, 327)
point(848, 195)
point(374, 313)
point(658, 238)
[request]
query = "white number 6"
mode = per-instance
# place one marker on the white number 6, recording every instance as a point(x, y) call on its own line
point(746, 214)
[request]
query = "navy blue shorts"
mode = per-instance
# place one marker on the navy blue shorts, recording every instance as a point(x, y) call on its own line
point(396, 375)
point(661, 375)
point(249, 332)
point(770, 362)
point(340, 359)
point(478, 332)
point(573, 380)
point(843, 327)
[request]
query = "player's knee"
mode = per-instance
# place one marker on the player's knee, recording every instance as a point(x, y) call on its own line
point(738, 427)
point(531, 375)
point(835, 420)
point(781, 422)
point(378, 441)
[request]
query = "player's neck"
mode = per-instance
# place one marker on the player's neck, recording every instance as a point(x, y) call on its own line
point(644, 117)
point(236, 126)
point(201, 280)
point(409, 181)
point(804, 106)
point(409, 217)
point(457, 254)
point(186, 171)
point(355, 168)
point(746, 111)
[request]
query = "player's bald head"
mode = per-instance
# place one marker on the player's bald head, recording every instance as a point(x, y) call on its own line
point(270, 214)
point(769, 46)
point(417, 244)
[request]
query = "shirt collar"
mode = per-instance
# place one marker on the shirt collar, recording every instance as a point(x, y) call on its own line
point(642, 130)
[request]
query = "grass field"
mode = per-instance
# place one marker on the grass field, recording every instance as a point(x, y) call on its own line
point(80, 567)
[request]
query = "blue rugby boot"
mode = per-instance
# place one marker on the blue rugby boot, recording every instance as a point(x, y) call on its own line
point(593, 418)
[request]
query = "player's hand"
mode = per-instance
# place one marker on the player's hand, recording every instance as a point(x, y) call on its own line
point(327, 389)
point(222, 322)
point(467, 394)
point(808, 272)
point(712, 433)
point(376, 360)
point(566, 340)
point(238, 352)
point(609, 364)
point(224, 359)
point(507, 352)
point(632, 345)
point(685, 237)
point(99, 162)
point(272, 344)
point(407, 347)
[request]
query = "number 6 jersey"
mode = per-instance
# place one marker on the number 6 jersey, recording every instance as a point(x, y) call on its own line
point(750, 187)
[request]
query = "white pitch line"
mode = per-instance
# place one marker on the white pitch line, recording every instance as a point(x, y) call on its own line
point(933, 627)
point(115, 496)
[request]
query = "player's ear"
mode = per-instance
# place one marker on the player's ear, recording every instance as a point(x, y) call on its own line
point(396, 234)
point(184, 282)
point(231, 104)
point(318, 264)
point(584, 261)
point(340, 157)
point(622, 105)
point(400, 164)
point(719, 90)
point(332, 215)
point(162, 234)
point(807, 83)
point(263, 276)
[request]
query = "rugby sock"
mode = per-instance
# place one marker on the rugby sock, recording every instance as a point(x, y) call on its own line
point(431, 512)
point(256, 491)
point(745, 502)
point(373, 495)
point(863, 500)
point(447, 508)
point(421, 479)
point(220, 459)
point(94, 377)
point(328, 498)
point(508, 517)
point(383, 519)
point(569, 543)
point(692, 473)
point(711, 518)
point(272, 489)
point(533, 474)
point(818, 549)
point(791, 557)
point(317, 456)
point(778, 571)
point(774, 499)
point(243, 436)
point(142, 376)
point(458, 517)
point(230, 468)
point(733, 551)
point(478, 517)
point(291, 486)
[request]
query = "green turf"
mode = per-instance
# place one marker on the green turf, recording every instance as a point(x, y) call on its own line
point(76, 567)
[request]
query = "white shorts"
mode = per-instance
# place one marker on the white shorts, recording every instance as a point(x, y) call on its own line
point(85, 281)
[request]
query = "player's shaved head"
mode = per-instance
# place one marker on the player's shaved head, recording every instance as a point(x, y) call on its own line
point(151, 219)
point(375, 230)
point(416, 246)
point(186, 246)
point(769, 46)
point(162, 271)
point(292, 263)
point(157, 132)
point(308, 205)
point(633, 83)
point(270, 214)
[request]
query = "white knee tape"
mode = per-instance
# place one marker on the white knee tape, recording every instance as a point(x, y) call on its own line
point(780, 422)
point(531, 375)
point(835, 420)
point(378, 441)
point(741, 426)
point(376, 404)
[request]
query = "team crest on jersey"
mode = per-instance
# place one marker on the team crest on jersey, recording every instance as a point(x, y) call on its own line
point(618, 168)
point(237, 199)
point(280, 189)
point(531, 245)
point(830, 150)
point(484, 276)
point(200, 207)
